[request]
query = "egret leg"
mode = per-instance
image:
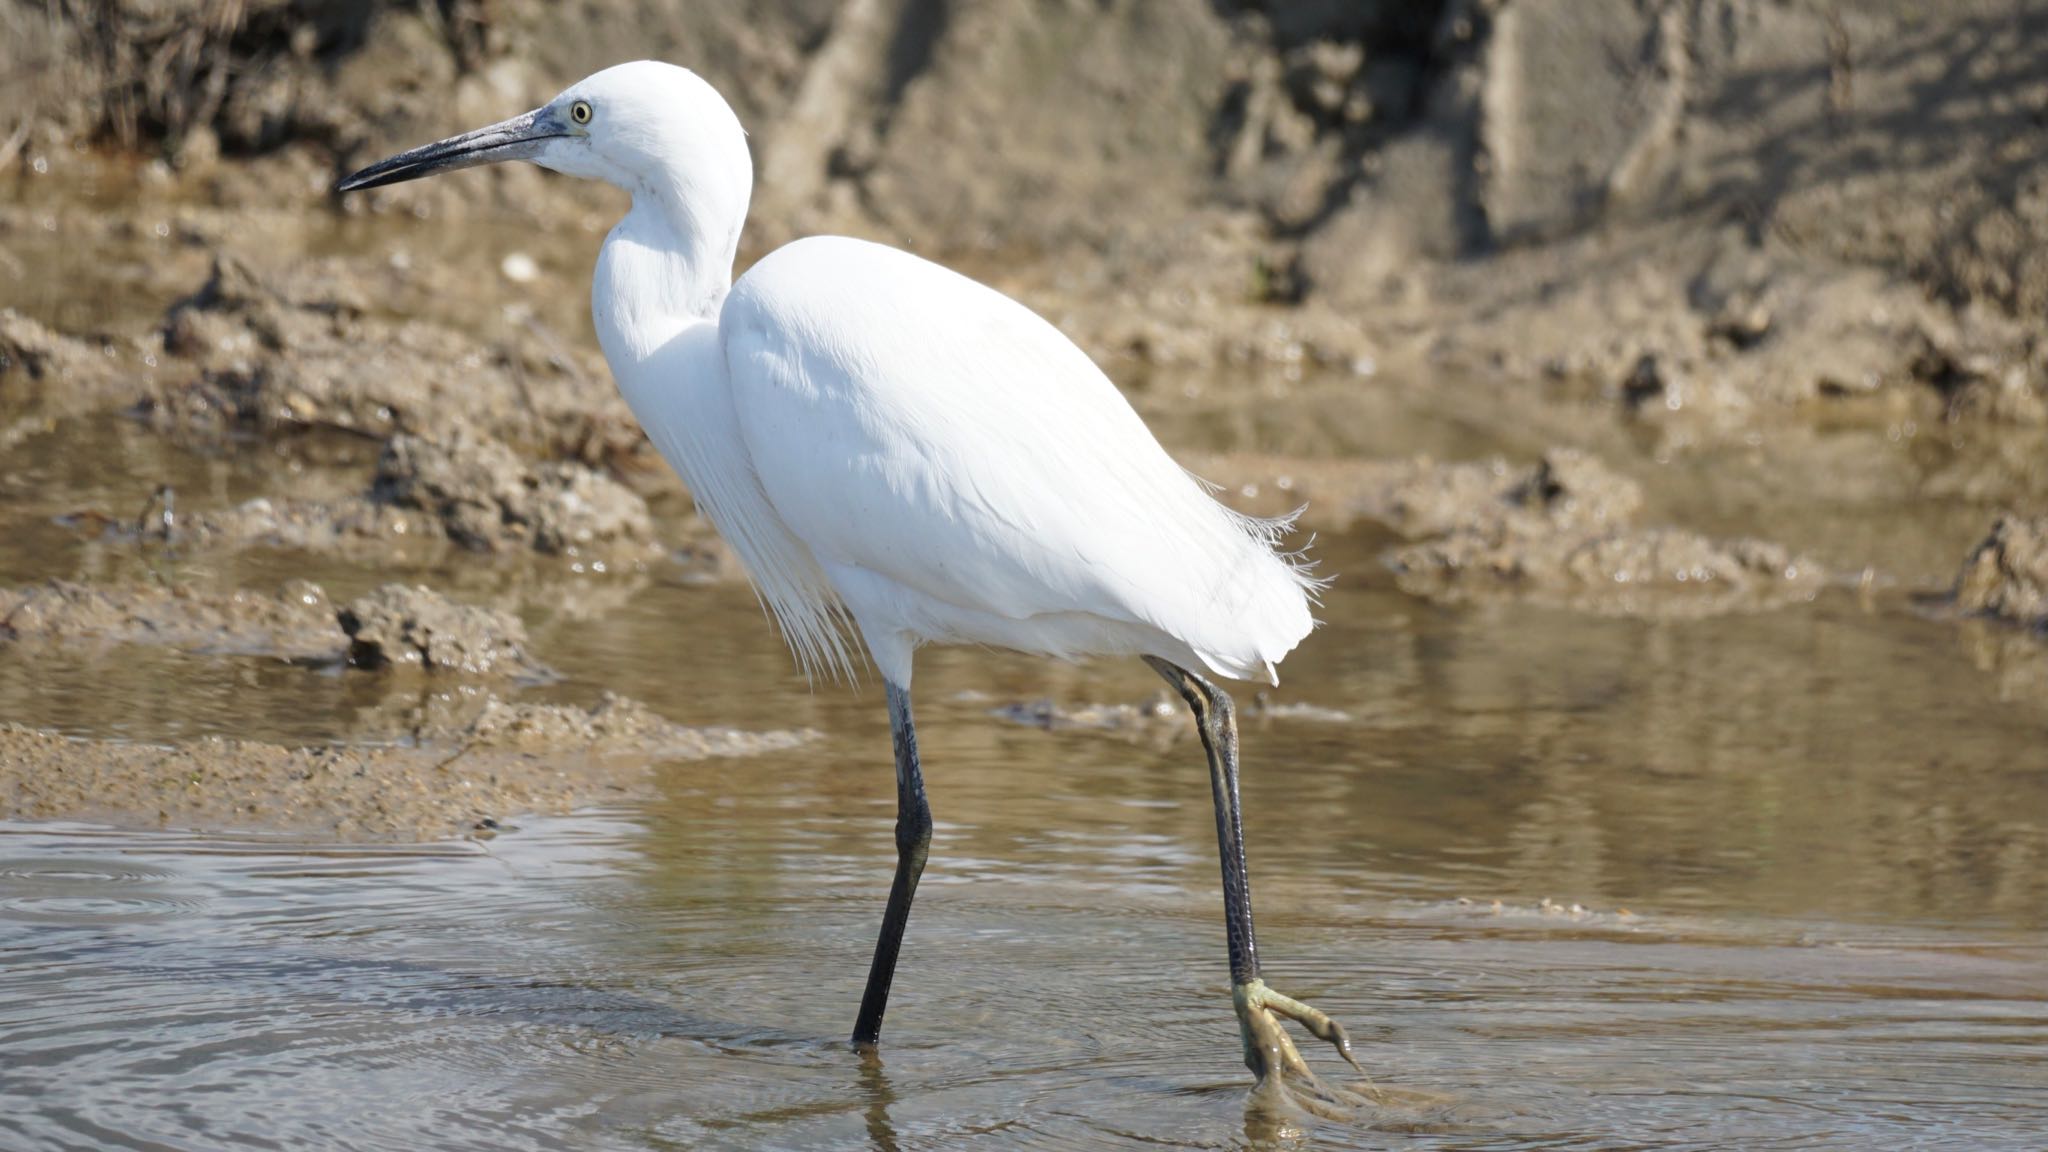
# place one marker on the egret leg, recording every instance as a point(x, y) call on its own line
point(1268, 1051)
point(913, 845)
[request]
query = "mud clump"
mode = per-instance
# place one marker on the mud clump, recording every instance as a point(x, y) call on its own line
point(514, 760)
point(1560, 530)
point(1425, 497)
point(295, 623)
point(2006, 575)
point(488, 499)
point(1565, 490)
point(395, 626)
point(1665, 572)
point(311, 526)
point(298, 349)
point(469, 491)
point(46, 376)
point(615, 726)
point(33, 359)
point(412, 627)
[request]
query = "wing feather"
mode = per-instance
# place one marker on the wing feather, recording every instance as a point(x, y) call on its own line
point(911, 423)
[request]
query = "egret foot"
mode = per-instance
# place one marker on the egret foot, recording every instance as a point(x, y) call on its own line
point(1271, 1055)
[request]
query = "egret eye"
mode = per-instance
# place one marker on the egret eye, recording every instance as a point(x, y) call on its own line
point(580, 112)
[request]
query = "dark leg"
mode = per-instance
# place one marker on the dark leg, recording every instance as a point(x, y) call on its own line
point(1266, 1047)
point(1216, 720)
point(913, 844)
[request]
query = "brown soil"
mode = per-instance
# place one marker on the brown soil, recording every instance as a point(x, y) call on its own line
point(509, 761)
point(1675, 204)
point(1628, 572)
point(400, 627)
point(394, 627)
point(296, 623)
point(486, 498)
point(300, 351)
point(1560, 530)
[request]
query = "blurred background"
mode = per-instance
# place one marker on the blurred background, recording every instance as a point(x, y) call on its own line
point(1664, 380)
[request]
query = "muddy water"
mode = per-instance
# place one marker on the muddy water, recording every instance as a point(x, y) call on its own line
point(1808, 846)
point(1772, 880)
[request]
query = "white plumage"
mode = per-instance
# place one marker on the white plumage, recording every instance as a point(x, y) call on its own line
point(962, 473)
point(885, 441)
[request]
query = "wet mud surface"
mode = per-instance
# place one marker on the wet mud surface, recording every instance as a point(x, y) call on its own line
point(506, 762)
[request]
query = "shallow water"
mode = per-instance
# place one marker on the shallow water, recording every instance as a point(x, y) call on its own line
point(679, 977)
point(1808, 848)
point(1813, 890)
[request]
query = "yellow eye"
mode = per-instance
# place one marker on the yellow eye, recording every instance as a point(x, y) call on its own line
point(580, 112)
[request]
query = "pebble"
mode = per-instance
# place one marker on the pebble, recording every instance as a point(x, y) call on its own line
point(520, 268)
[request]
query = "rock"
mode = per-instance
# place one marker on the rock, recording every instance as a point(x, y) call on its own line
point(414, 627)
point(487, 498)
point(2006, 575)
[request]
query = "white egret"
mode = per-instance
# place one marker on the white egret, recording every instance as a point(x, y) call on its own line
point(892, 447)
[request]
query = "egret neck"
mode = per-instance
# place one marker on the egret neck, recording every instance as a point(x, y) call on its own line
point(663, 267)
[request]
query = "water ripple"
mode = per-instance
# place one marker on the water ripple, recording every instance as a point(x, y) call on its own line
point(630, 981)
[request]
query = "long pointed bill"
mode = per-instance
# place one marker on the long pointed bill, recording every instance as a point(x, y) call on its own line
point(520, 138)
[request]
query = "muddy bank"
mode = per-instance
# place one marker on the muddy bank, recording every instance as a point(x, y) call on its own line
point(469, 493)
point(1727, 206)
point(295, 351)
point(295, 623)
point(299, 349)
point(395, 627)
point(456, 483)
point(1561, 530)
point(1639, 572)
point(488, 499)
point(509, 760)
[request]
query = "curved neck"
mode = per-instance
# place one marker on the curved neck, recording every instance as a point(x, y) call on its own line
point(666, 265)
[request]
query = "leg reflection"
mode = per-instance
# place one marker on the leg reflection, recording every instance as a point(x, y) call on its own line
point(874, 1084)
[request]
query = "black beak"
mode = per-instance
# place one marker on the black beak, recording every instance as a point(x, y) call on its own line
point(519, 138)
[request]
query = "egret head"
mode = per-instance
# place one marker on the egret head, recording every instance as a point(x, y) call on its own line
point(646, 127)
